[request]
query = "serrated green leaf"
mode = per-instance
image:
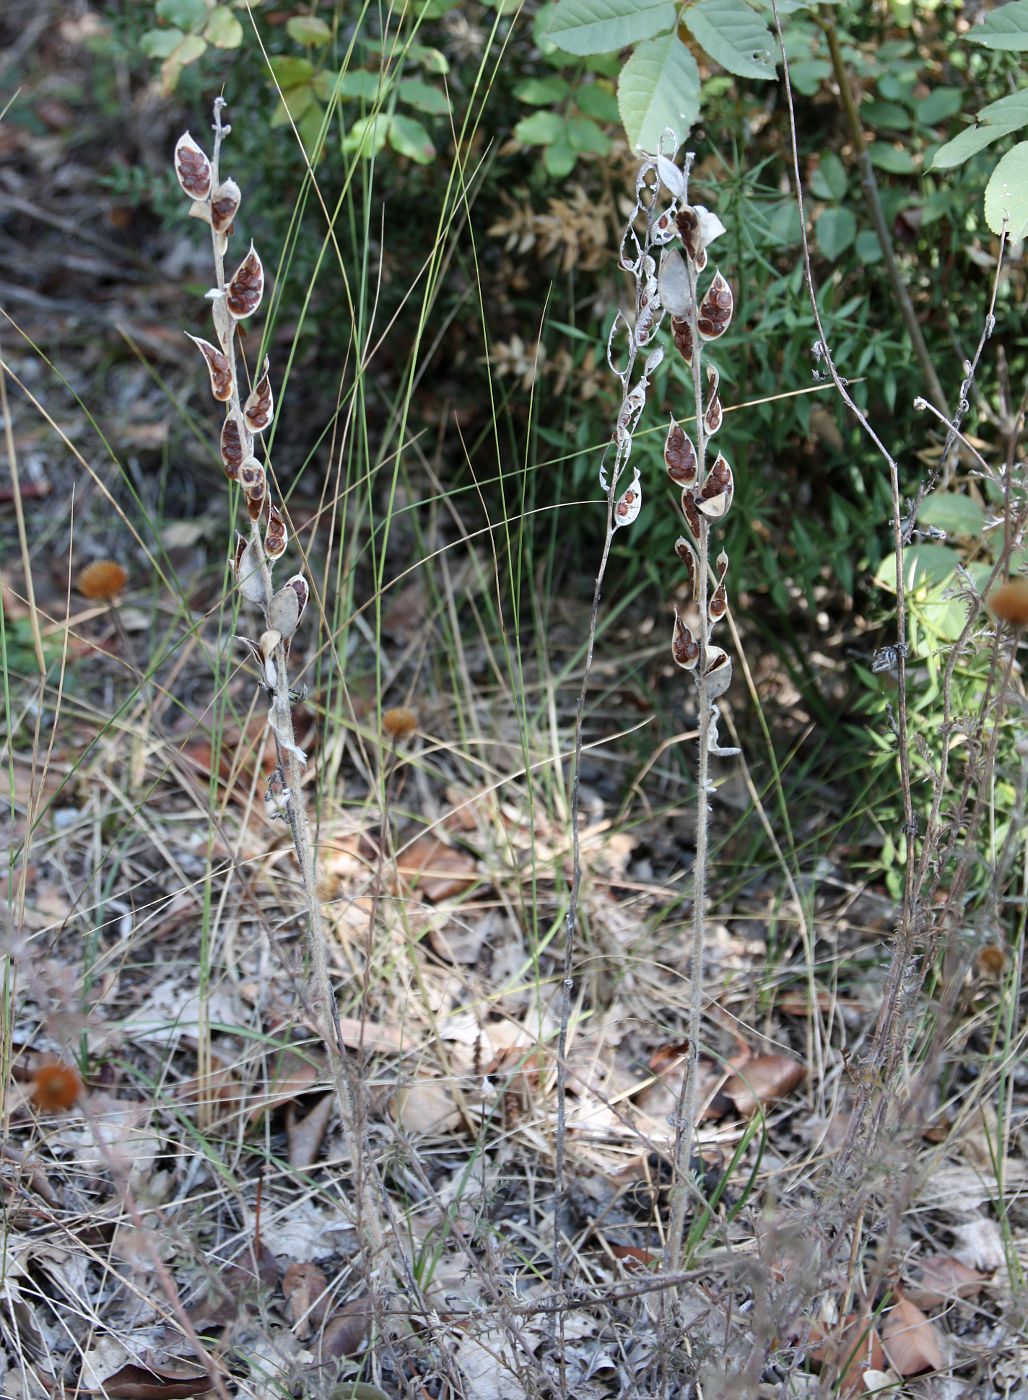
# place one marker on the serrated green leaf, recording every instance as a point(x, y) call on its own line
point(1006, 28)
point(734, 36)
point(223, 30)
point(291, 71)
point(542, 92)
point(409, 138)
point(996, 120)
point(953, 512)
point(423, 97)
point(941, 103)
point(183, 14)
point(830, 180)
point(160, 43)
point(659, 87)
point(585, 136)
point(897, 160)
point(596, 101)
point(540, 129)
point(836, 229)
point(602, 26)
point(309, 30)
point(1006, 194)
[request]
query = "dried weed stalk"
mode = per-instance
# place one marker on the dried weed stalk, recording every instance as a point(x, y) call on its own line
point(666, 285)
point(233, 300)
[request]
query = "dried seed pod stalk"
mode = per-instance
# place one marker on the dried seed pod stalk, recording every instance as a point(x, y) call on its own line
point(216, 202)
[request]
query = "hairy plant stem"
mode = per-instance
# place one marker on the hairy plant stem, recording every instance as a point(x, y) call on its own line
point(368, 1226)
point(686, 1109)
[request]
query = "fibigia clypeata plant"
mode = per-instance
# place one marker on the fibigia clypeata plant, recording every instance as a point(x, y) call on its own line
point(216, 201)
point(664, 249)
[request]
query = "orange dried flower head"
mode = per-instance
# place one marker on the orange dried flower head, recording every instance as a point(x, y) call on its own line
point(991, 961)
point(1010, 602)
point(55, 1087)
point(399, 723)
point(102, 580)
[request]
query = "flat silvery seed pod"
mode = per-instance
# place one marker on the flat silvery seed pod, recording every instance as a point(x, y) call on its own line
point(718, 675)
point(200, 209)
point(192, 168)
point(710, 226)
point(653, 359)
point(217, 367)
point(629, 505)
point(248, 576)
point(671, 177)
point(673, 281)
point(284, 612)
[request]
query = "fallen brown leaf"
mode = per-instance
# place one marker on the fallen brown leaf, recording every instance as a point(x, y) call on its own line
point(942, 1278)
point(762, 1080)
point(292, 1076)
point(133, 1382)
point(911, 1341)
point(846, 1352)
point(305, 1289)
point(347, 1331)
point(435, 870)
point(305, 1134)
point(426, 1107)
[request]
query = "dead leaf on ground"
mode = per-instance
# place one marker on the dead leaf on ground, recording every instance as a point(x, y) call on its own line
point(305, 1134)
point(426, 1107)
point(404, 616)
point(436, 871)
point(133, 1382)
point(292, 1076)
point(305, 1289)
point(347, 1331)
point(762, 1080)
point(911, 1341)
point(847, 1352)
point(941, 1279)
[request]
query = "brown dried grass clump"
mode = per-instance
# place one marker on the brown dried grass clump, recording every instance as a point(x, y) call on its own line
point(55, 1088)
point(102, 580)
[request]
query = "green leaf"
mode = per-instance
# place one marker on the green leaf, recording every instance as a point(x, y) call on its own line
point(540, 129)
point(897, 160)
point(293, 104)
point(892, 116)
point(309, 128)
point(1006, 194)
point(309, 30)
point(184, 14)
point(160, 43)
point(366, 136)
point(941, 103)
point(996, 120)
point(409, 138)
point(734, 36)
point(585, 136)
point(953, 512)
point(830, 180)
point(924, 566)
point(433, 9)
point(808, 74)
point(836, 229)
point(359, 83)
point(596, 101)
point(223, 30)
point(191, 48)
point(867, 247)
point(1006, 27)
point(290, 71)
point(601, 26)
point(659, 87)
point(560, 158)
point(423, 97)
point(542, 92)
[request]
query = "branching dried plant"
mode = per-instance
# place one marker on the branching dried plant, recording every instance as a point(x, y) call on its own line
point(216, 201)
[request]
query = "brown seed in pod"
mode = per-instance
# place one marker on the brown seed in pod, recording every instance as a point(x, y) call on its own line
point(192, 168)
point(231, 446)
point(243, 294)
point(217, 368)
point(682, 333)
point(680, 456)
point(684, 648)
point(225, 206)
point(715, 311)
